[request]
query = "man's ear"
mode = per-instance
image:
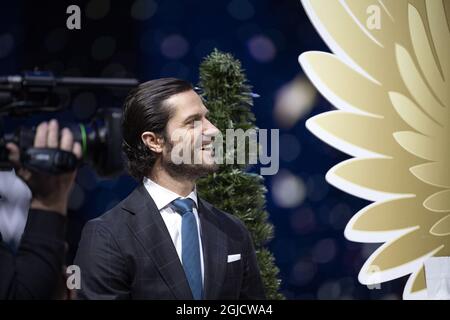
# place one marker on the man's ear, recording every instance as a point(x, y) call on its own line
point(153, 141)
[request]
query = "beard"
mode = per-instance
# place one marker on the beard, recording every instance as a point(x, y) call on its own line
point(185, 170)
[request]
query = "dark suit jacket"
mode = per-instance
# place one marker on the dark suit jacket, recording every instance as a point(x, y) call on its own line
point(36, 270)
point(127, 253)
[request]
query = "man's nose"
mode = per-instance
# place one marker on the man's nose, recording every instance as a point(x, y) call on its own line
point(210, 129)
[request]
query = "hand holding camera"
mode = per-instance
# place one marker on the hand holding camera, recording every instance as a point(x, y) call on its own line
point(50, 192)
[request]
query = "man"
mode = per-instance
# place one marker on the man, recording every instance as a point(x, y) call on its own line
point(163, 241)
point(36, 270)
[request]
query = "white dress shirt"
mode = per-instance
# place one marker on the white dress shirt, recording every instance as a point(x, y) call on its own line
point(162, 198)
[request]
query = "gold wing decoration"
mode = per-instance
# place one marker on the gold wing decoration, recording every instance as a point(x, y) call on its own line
point(391, 85)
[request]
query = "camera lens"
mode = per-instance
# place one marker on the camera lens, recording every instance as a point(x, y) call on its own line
point(101, 141)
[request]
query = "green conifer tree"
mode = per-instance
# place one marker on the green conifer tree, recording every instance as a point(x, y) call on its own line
point(229, 99)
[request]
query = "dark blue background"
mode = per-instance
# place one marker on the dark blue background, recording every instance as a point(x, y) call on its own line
point(315, 260)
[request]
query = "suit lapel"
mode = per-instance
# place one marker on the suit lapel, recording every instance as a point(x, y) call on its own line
point(214, 242)
point(151, 231)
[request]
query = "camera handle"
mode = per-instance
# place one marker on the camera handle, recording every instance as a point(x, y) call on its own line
point(52, 161)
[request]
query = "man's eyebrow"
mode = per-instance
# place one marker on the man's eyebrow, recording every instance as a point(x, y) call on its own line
point(196, 116)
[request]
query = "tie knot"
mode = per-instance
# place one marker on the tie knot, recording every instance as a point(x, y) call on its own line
point(183, 205)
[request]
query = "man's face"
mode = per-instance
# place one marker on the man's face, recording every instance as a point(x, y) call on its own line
point(189, 129)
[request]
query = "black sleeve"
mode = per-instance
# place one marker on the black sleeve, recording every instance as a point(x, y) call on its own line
point(36, 269)
point(104, 274)
point(252, 285)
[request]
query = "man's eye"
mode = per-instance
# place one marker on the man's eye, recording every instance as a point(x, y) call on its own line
point(190, 124)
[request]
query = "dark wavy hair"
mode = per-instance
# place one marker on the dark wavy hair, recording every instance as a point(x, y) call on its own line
point(145, 109)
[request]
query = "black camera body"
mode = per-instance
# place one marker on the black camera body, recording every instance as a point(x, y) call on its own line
point(100, 139)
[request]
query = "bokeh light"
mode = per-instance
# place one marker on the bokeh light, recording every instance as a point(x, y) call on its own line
point(174, 46)
point(293, 101)
point(288, 190)
point(262, 48)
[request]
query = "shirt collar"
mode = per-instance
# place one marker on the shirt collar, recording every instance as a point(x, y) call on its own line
point(162, 196)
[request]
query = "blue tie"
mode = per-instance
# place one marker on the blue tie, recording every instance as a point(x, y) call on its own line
point(190, 247)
